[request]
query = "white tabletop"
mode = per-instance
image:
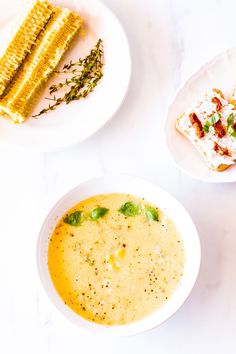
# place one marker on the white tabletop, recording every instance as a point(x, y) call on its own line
point(169, 40)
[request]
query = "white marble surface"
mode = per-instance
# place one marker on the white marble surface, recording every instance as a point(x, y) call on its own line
point(169, 40)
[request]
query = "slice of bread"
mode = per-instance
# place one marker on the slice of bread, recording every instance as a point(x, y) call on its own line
point(210, 131)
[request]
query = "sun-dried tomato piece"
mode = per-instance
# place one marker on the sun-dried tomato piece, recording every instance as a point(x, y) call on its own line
point(197, 125)
point(223, 151)
point(219, 129)
point(217, 102)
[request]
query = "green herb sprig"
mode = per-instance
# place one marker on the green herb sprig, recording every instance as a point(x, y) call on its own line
point(87, 73)
point(213, 120)
point(230, 125)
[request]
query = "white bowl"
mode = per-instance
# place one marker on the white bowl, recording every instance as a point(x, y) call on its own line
point(153, 194)
point(219, 73)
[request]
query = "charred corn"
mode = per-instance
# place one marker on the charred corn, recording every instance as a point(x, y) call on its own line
point(50, 46)
point(27, 27)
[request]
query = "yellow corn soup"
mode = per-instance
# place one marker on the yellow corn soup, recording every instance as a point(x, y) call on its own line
point(115, 258)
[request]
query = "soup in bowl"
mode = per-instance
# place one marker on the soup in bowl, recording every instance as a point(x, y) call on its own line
point(118, 255)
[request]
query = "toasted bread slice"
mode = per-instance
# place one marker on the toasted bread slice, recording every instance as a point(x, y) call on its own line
point(219, 168)
point(212, 133)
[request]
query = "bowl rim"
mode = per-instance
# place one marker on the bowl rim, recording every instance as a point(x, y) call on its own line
point(133, 328)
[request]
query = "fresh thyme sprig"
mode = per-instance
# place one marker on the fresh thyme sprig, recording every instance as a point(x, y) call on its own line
point(87, 73)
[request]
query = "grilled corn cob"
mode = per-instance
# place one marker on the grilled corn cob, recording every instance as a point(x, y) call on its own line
point(29, 25)
point(36, 70)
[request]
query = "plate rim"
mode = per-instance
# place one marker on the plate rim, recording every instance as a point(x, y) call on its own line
point(67, 144)
point(167, 120)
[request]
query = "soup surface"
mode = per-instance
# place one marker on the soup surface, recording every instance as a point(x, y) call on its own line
point(115, 258)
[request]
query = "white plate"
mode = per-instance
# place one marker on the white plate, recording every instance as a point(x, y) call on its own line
point(153, 194)
point(218, 73)
point(75, 122)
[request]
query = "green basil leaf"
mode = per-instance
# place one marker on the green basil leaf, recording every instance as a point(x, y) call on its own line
point(98, 213)
point(214, 118)
point(230, 120)
point(206, 127)
point(231, 131)
point(151, 213)
point(230, 127)
point(74, 219)
point(130, 209)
